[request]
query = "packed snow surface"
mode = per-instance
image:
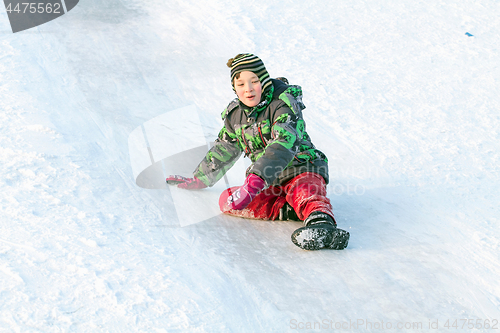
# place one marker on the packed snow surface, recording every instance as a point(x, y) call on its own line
point(402, 96)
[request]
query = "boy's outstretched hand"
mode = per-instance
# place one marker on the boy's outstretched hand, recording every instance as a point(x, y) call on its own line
point(185, 183)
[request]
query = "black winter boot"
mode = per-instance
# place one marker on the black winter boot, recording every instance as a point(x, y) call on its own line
point(320, 232)
point(287, 213)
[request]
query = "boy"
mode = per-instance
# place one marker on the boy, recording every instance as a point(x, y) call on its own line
point(288, 176)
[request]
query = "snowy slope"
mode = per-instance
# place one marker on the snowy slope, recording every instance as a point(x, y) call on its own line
point(403, 102)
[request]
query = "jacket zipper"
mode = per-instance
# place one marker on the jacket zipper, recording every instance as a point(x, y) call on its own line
point(262, 137)
point(247, 149)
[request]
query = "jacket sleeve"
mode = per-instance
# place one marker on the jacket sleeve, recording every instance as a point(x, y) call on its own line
point(220, 158)
point(283, 147)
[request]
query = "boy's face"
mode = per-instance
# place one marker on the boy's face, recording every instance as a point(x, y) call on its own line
point(248, 88)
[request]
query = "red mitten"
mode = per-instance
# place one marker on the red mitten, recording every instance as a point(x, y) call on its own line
point(242, 197)
point(186, 183)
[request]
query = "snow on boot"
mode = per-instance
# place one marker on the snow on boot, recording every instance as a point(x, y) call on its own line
point(320, 232)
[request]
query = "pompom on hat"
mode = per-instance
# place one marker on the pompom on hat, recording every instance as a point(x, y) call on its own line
point(249, 62)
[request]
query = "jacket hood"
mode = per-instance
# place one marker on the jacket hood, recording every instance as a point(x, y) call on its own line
point(279, 87)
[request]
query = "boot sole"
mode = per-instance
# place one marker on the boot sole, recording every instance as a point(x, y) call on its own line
point(311, 239)
point(340, 240)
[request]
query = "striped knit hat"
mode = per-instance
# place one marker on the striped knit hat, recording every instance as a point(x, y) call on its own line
point(249, 62)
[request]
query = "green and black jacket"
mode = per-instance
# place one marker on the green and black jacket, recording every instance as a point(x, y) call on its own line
point(272, 134)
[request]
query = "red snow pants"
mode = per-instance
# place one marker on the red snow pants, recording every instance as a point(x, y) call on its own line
point(306, 193)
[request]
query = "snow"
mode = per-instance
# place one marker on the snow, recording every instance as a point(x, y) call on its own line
point(403, 102)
